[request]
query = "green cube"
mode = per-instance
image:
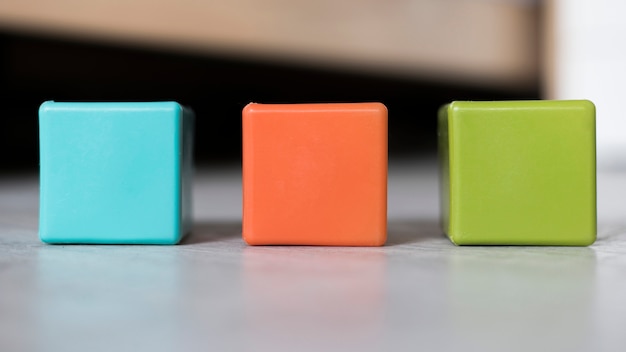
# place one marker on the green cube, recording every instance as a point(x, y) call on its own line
point(518, 172)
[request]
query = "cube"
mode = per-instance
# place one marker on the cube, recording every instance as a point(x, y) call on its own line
point(315, 174)
point(518, 172)
point(115, 173)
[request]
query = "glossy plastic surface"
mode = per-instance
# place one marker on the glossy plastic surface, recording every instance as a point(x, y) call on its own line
point(315, 174)
point(518, 172)
point(115, 172)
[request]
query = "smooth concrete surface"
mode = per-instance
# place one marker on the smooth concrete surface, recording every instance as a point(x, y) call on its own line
point(214, 293)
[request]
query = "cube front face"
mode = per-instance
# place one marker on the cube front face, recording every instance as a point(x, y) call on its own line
point(315, 174)
point(111, 172)
point(519, 172)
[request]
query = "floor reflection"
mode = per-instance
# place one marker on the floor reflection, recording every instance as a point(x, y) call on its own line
point(313, 297)
point(502, 297)
point(125, 296)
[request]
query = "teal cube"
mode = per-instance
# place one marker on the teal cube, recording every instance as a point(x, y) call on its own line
point(115, 173)
point(518, 172)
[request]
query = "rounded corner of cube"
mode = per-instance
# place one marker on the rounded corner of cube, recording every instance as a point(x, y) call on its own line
point(174, 109)
point(45, 238)
point(588, 240)
point(178, 231)
point(250, 239)
point(450, 113)
point(456, 238)
point(379, 240)
point(49, 238)
point(588, 105)
point(175, 106)
point(443, 109)
point(172, 240)
point(249, 109)
point(45, 107)
point(381, 109)
point(453, 106)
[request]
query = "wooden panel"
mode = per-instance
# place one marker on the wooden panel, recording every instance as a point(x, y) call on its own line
point(487, 42)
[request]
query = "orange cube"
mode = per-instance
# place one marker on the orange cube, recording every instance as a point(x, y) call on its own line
point(315, 174)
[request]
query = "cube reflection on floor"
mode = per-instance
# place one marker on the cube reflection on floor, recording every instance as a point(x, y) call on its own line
point(518, 172)
point(315, 174)
point(115, 172)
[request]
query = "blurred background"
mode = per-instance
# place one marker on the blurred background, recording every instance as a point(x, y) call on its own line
point(216, 56)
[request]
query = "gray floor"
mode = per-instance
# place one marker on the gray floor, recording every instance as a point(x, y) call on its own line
point(214, 293)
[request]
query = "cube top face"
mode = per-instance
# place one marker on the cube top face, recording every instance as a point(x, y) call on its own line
point(111, 172)
point(315, 174)
point(519, 172)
